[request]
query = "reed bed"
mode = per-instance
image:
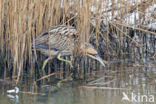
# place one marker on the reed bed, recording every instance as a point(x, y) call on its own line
point(117, 28)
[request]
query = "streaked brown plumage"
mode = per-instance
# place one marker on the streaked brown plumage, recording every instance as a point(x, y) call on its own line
point(61, 40)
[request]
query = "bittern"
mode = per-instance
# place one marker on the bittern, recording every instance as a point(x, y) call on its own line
point(58, 41)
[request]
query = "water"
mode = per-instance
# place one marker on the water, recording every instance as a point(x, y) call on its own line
point(137, 82)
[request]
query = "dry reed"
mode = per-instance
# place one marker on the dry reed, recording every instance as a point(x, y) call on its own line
point(105, 23)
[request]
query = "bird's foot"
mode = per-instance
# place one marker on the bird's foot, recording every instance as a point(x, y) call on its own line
point(44, 64)
point(70, 63)
point(67, 61)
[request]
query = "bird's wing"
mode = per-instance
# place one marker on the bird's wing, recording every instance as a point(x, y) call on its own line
point(57, 38)
point(42, 41)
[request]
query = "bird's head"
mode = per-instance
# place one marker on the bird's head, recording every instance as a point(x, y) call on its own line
point(92, 53)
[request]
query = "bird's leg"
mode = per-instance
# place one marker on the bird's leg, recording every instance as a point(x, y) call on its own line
point(61, 59)
point(70, 75)
point(45, 63)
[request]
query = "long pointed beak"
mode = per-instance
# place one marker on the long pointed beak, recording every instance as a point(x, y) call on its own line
point(98, 58)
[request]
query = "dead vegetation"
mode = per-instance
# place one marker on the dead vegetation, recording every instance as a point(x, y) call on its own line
point(117, 28)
